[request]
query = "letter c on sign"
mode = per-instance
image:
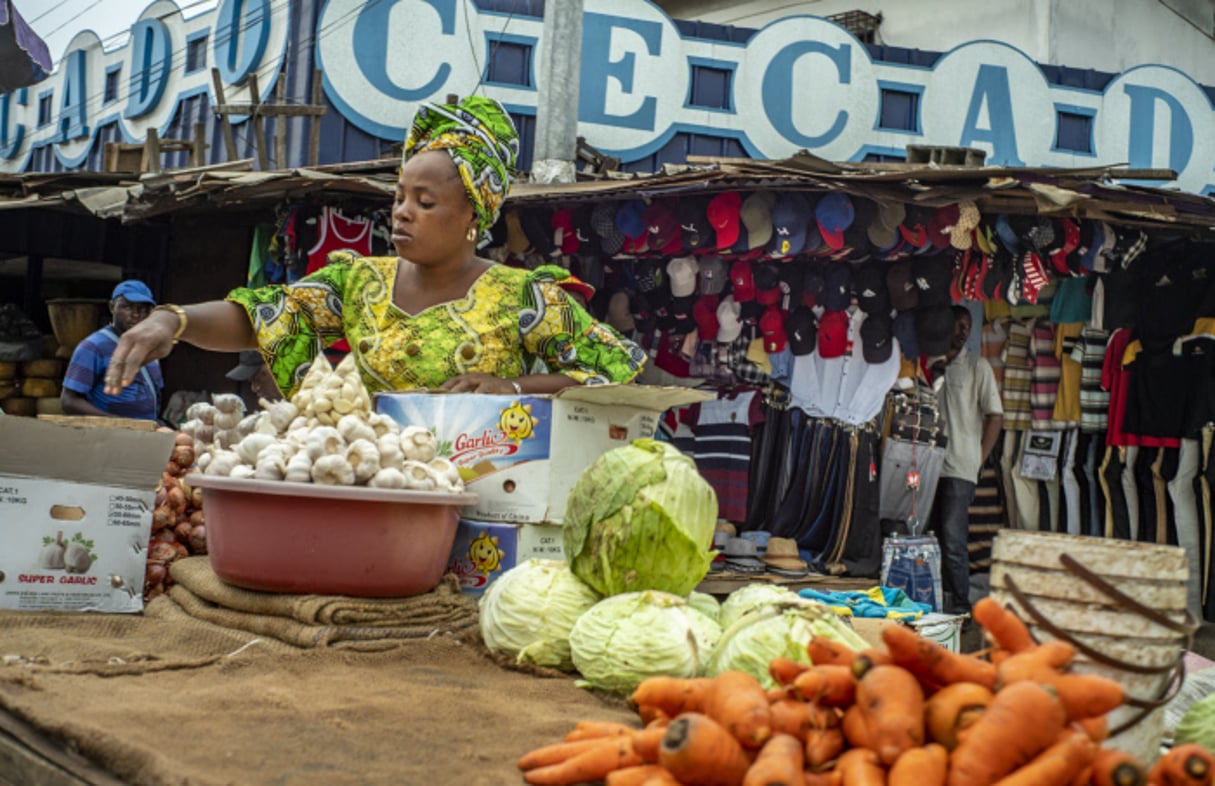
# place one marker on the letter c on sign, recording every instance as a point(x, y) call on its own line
point(371, 30)
point(778, 90)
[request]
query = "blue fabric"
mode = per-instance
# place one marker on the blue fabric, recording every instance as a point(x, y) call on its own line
point(1072, 302)
point(86, 375)
point(896, 603)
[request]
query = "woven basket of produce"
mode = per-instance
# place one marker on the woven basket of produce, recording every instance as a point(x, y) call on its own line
point(73, 319)
point(16, 405)
point(46, 368)
point(32, 387)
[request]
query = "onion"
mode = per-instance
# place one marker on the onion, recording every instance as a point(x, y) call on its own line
point(181, 531)
point(162, 517)
point(155, 573)
point(182, 456)
point(176, 500)
point(198, 539)
point(160, 550)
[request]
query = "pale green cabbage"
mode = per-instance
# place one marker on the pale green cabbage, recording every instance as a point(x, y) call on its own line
point(780, 628)
point(641, 517)
point(528, 612)
point(706, 604)
point(628, 637)
point(750, 597)
point(1198, 724)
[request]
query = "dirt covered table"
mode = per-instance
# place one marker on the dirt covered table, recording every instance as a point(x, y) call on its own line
point(162, 699)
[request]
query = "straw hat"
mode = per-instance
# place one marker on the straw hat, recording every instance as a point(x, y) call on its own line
point(782, 554)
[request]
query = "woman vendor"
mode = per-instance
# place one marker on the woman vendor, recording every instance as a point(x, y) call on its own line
point(437, 315)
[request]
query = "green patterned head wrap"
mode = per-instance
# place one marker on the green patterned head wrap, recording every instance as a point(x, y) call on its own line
point(482, 141)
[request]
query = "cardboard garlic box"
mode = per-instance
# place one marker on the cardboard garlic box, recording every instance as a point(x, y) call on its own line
point(76, 514)
point(522, 454)
point(484, 550)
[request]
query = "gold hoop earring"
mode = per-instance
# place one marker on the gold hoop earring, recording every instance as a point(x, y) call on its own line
point(471, 236)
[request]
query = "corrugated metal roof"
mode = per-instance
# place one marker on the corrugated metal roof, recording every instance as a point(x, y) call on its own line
point(1092, 192)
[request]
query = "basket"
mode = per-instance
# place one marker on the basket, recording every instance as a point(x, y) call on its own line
point(1121, 604)
point(73, 319)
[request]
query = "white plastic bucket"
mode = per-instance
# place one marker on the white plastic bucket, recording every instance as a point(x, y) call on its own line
point(1055, 581)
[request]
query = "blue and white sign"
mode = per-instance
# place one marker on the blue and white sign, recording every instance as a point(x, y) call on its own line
point(799, 83)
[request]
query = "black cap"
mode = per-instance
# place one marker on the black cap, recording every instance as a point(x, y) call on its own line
point(837, 289)
point(250, 363)
point(904, 295)
point(695, 230)
point(537, 224)
point(813, 283)
point(802, 331)
point(932, 275)
point(904, 331)
point(934, 329)
point(877, 332)
point(869, 284)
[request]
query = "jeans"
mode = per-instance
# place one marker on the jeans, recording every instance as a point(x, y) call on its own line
point(954, 496)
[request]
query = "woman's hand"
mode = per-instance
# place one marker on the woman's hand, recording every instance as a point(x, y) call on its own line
point(151, 339)
point(479, 383)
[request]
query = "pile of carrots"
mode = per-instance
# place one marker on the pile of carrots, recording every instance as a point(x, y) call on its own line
point(912, 714)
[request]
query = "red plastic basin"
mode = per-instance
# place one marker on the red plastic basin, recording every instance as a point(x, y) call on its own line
point(304, 538)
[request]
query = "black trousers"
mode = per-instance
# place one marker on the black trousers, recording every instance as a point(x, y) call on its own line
point(1112, 492)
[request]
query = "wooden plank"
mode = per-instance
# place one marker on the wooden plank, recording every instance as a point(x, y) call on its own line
point(100, 421)
point(280, 123)
point(229, 137)
point(314, 136)
point(151, 153)
point(259, 130)
point(271, 110)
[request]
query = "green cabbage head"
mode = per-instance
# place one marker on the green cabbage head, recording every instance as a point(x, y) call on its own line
point(628, 637)
point(1197, 724)
point(641, 517)
point(528, 612)
point(780, 628)
point(749, 597)
point(706, 604)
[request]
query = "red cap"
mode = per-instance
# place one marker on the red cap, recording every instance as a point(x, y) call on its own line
point(772, 325)
point(1071, 241)
point(563, 222)
point(723, 212)
point(662, 225)
point(942, 224)
point(742, 281)
point(833, 334)
point(575, 284)
point(704, 311)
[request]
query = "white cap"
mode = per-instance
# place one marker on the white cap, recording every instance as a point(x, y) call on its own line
point(682, 272)
point(729, 323)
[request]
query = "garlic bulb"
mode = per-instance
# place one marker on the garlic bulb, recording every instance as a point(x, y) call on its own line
point(383, 424)
point(352, 428)
point(297, 423)
point(419, 476)
point(389, 446)
point(222, 463)
point(202, 412)
point(270, 466)
point(248, 424)
point(364, 458)
point(448, 473)
point(324, 441)
point(202, 460)
point(333, 470)
point(243, 471)
point(250, 446)
point(229, 403)
point(388, 478)
point(417, 443)
point(299, 468)
point(280, 414)
point(227, 421)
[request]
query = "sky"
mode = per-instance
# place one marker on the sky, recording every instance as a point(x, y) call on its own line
point(58, 21)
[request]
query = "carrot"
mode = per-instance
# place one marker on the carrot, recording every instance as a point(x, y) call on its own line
point(825, 778)
point(833, 686)
point(647, 741)
point(829, 652)
point(1060, 763)
point(867, 659)
point(698, 749)
point(1112, 767)
point(952, 709)
point(823, 745)
point(931, 663)
point(779, 763)
point(855, 728)
point(785, 670)
point(1082, 695)
point(779, 693)
point(860, 767)
point(557, 753)
point(793, 717)
point(1185, 765)
point(1022, 720)
point(1003, 626)
point(738, 702)
point(1028, 664)
point(641, 775)
point(589, 730)
point(1097, 728)
point(592, 764)
point(670, 696)
point(892, 711)
point(925, 766)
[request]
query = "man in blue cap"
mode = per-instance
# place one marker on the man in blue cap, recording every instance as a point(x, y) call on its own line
point(130, 303)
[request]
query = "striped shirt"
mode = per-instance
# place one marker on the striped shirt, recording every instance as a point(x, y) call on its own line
point(1044, 387)
point(722, 451)
point(86, 375)
point(1089, 352)
point(1018, 375)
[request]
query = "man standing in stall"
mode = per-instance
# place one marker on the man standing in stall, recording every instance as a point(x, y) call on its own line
point(970, 405)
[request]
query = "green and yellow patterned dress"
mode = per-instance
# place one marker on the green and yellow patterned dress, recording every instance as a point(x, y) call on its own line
point(508, 320)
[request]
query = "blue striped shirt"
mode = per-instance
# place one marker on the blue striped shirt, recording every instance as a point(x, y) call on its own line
point(86, 376)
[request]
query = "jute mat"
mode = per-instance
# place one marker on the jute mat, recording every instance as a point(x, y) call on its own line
point(168, 699)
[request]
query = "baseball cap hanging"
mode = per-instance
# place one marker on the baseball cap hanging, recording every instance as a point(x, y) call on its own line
point(743, 282)
point(834, 213)
point(756, 215)
point(695, 232)
point(723, 214)
point(790, 218)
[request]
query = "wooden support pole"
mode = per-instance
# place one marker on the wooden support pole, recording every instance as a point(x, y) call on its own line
point(314, 135)
point(229, 138)
point(151, 153)
point(259, 131)
point(198, 156)
point(280, 123)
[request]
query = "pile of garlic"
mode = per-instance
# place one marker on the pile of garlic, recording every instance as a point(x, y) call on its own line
point(325, 434)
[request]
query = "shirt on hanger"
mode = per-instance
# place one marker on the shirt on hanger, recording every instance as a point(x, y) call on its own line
point(1018, 376)
point(845, 388)
point(1089, 352)
point(1067, 402)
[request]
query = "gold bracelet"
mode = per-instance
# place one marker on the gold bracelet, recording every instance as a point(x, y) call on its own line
point(182, 319)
